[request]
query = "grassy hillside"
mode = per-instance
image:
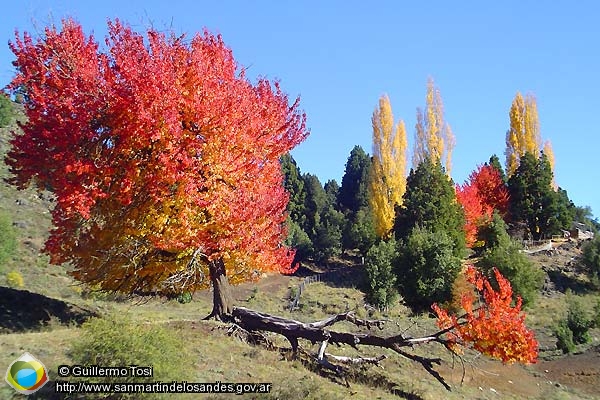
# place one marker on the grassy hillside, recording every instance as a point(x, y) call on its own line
point(43, 318)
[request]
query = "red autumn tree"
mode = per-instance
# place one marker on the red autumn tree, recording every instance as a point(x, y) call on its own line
point(494, 327)
point(491, 188)
point(483, 193)
point(476, 213)
point(162, 155)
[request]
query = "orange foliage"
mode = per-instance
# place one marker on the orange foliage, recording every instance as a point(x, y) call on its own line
point(496, 327)
point(162, 155)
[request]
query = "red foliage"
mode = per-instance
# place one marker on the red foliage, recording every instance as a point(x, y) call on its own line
point(495, 328)
point(157, 147)
point(476, 213)
point(480, 196)
point(490, 187)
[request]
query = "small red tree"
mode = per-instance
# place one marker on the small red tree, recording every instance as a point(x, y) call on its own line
point(162, 155)
point(495, 327)
point(483, 193)
point(491, 188)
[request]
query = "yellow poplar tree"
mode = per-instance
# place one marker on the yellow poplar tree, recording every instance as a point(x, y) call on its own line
point(549, 152)
point(387, 182)
point(523, 136)
point(433, 136)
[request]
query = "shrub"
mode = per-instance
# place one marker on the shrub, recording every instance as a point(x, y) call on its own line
point(596, 318)
point(184, 298)
point(578, 320)
point(299, 240)
point(492, 234)
point(14, 279)
point(525, 279)
point(574, 329)
point(564, 337)
point(426, 268)
point(591, 256)
point(117, 341)
point(380, 274)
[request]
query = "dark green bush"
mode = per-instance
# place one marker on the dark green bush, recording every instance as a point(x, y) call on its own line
point(299, 240)
point(578, 320)
point(184, 298)
point(564, 337)
point(574, 329)
point(591, 257)
point(117, 341)
point(504, 253)
point(426, 268)
point(380, 274)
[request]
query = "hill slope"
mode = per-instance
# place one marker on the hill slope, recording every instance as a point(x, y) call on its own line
point(43, 318)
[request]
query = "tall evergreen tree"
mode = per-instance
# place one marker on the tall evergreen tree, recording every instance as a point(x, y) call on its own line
point(332, 190)
point(328, 234)
point(430, 203)
point(314, 203)
point(294, 185)
point(324, 223)
point(533, 200)
point(495, 162)
point(297, 238)
point(359, 231)
point(353, 192)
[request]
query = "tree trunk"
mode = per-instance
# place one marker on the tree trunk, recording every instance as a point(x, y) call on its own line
point(222, 299)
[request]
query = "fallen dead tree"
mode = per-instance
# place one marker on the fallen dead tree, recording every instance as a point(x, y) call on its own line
point(318, 331)
point(491, 325)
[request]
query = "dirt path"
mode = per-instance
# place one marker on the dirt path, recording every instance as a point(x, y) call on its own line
point(580, 371)
point(271, 283)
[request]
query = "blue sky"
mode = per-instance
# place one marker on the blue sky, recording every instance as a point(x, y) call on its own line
point(341, 56)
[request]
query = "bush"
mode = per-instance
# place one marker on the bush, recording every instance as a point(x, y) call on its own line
point(380, 274)
point(185, 297)
point(591, 257)
point(574, 329)
point(117, 341)
point(14, 279)
point(578, 320)
point(492, 234)
point(299, 240)
point(426, 268)
point(8, 237)
point(525, 279)
point(564, 337)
